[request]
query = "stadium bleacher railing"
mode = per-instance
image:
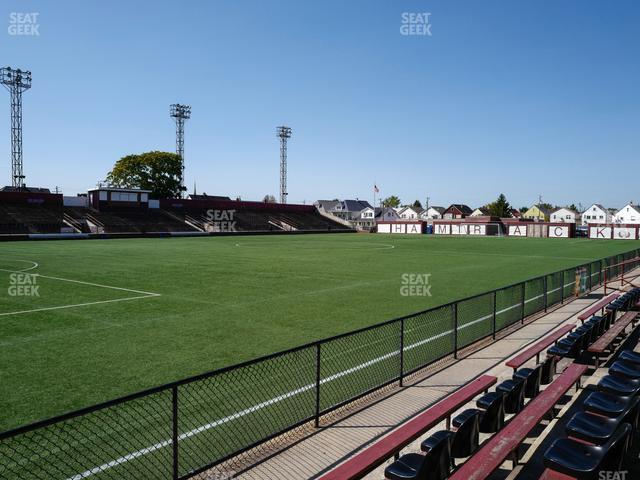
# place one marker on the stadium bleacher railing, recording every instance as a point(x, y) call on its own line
point(181, 429)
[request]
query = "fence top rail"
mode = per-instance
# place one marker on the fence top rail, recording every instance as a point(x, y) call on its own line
point(539, 346)
point(317, 343)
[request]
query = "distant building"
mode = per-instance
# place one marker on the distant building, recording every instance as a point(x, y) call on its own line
point(457, 210)
point(480, 212)
point(537, 213)
point(432, 213)
point(387, 214)
point(565, 215)
point(596, 213)
point(515, 213)
point(630, 213)
point(410, 213)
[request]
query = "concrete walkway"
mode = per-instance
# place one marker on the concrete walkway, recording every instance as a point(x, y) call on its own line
point(326, 447)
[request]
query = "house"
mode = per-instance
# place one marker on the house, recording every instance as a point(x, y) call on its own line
point(410, 213)
point(537, 213)
point(457, 210)
point(480, 212)
point(345, 209)
point(565, 215)
point(432, 213)
point(630, 213)
point(515, 213)
point(596, 213)
point(365, 220)
point(387, 214)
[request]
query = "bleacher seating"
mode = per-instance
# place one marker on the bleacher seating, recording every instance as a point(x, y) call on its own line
point(26, 218)
point(600, 432)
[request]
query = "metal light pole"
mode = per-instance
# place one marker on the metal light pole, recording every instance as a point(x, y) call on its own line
point(16, 81)
point(284, 133)
point(180, 113)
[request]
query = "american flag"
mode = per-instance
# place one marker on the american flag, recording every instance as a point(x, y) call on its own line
point(375, 188)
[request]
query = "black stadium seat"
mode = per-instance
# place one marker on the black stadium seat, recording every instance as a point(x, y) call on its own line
point(532, 377)
point(610, 405)
point(594, 429)
point(581, 460)
point(619, 385)
point(492, 404)
point(514, 394)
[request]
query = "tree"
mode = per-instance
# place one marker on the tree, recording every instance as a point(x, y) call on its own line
point(573, 207)
point(523, 209)
point(500, 208)
point(417, 204)
point(159, 172)
point(269, 199)
point(546, 206)
point(391, 201)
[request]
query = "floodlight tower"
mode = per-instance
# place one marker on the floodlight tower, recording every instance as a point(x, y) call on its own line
point(180, 113)
point(285, 134)
point(16, 81)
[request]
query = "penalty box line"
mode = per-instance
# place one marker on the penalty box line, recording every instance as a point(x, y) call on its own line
point(140, 294)
point(203, 428)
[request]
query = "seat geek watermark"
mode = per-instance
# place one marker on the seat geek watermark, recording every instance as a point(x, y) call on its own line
point(221, 221)
point(24, 24)
point(23, 285)
point(415, 285)
point(415, 24)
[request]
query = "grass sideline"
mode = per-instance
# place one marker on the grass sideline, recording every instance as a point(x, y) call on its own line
point(217, 301)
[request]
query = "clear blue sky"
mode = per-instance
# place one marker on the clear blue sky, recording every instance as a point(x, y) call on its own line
point(525, 98)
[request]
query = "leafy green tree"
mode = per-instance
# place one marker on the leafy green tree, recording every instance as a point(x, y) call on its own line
point(269, 199)
point(391, 201)
point(523, 209)
point(156, 171)
point(500, 208)
point(417, 204)
point(573, 207)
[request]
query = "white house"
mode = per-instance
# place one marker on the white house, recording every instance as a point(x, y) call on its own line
point(365, 219)
point(432, 213)
point(596, 213)
point(387, 214)
point(630, 213)
point(480, 212)
point(564, 215)
point(410, 213)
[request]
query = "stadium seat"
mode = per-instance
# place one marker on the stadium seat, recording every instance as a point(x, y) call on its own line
point(467, 434)
point(630, 357)
point(492, 404)
point(548, 370)
point(610, 405)
point(514, 394)
point(581, 460)
point(594, 429)
point(531, 376)
point(433, 465)
point(625, 370)
point(619, 385)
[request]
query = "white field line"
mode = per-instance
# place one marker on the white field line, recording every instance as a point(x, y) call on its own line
point(44, 309)
point(272, 401)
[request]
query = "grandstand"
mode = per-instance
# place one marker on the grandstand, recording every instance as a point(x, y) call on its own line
point(24, 213)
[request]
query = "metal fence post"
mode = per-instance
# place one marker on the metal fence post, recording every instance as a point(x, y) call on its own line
point(174, 435)
point(317, 419)
point(522, 302)
point(562, 288)
point(455, 330)
point(401, 350)
point(495, 301)
point(590, 277)
point(546, 288)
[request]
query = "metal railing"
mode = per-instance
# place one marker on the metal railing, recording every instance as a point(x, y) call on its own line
point(178, 430)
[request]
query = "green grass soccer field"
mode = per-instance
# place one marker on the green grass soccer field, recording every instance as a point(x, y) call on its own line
point(101, 319)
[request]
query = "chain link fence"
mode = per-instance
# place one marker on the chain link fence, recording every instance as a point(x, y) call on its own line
point(184, 428)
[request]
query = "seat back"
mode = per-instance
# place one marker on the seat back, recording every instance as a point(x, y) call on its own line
point(514, 395)
point(493, 418)
point(467, 436)
point(437, 461)
point(615, 449)
point(548, 370)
